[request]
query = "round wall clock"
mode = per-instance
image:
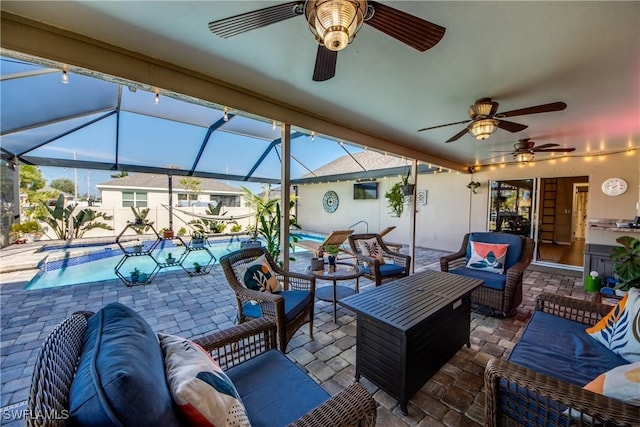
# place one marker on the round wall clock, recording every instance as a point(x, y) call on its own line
point(330, 201)
point(614, 186)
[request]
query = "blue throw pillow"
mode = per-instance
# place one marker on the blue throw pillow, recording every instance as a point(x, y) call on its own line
point(120, 379)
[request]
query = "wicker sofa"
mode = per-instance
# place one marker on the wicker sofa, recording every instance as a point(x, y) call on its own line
point(541, 383)
point(247, 353)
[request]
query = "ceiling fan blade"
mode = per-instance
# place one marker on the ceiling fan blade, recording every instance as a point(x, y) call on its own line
point(544, 108)
point(511, 126)
point(238, 24)
point(325, 67)
point(555, 150)
point(457, 136)
point(441, 126)
point(410, 30)
point(544, 146)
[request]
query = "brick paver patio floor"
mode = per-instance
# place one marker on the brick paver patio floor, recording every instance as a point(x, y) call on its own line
point(178, 304)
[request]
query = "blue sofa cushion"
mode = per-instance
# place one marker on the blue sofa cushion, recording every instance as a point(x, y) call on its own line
point(514, 241)
point(387, 269)
point(120, 379)
point(491, 280)
point(562, 349)
point(275, 391)
point(294, 303)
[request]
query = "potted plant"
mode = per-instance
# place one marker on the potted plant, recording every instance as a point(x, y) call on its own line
point(137, 248)
point(405, 187)
point(197, 267)
point(135, 275)
point(395, 198)
point(170, 259)
point(142, 277)
point(167, 233)
point(333, 253)
point(626, 263)
point(197, 239)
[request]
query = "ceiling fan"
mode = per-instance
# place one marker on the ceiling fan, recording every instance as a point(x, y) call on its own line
point(334, 23)
point(485, 119)
point(524, 150)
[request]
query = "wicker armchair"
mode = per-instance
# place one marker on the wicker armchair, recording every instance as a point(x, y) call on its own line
point(536, 391)
point(288, 319)
point(396, 265)
point(57, 362)
point(504, 301)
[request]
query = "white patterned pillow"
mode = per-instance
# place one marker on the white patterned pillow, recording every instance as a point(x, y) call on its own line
point(619, 330)
point(259, 276)
point(202, 391)
point(621, 382)
point(371, 248)
point(488, 256)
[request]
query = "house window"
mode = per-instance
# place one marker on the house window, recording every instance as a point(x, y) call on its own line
point(228, 201)
point(134, 199)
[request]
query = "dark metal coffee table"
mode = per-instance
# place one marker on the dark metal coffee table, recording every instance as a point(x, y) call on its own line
point(344, 271)
point(408, 329)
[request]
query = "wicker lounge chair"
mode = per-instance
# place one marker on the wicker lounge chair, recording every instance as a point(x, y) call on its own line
point(504, 301)
point(57, 363)
point(335, 238)
point(396, 265)
point(289, 318)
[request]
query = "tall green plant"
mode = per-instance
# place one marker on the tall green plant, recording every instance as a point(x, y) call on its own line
point(59, 217)
point(268, 223)
point(626, 262)
point(395, 198)
point(141, 224)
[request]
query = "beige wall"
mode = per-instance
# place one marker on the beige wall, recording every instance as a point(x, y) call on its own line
point(452, 210)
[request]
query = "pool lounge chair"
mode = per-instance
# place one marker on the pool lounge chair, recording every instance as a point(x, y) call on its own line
point(392, 245)
point(335, 238)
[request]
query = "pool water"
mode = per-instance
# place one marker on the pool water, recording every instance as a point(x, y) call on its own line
point(100, 264)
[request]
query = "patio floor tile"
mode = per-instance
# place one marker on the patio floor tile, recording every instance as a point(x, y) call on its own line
point(178, 304)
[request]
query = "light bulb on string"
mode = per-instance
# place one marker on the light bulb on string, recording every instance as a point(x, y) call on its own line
point(65, 77)
point(225, 117)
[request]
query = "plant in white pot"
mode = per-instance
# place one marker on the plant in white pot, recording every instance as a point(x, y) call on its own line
point(626, 263)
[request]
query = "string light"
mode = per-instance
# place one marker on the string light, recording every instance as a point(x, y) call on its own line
point(313, 136)
point(65, 78)
point(226, 114)
point(274, 125)
point(157, 98)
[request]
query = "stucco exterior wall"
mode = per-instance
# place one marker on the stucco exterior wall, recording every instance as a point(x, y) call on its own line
point(452, 210)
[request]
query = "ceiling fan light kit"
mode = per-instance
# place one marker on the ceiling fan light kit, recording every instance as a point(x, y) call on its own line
point(482, 129)
point(523, 157)
point(335, 22)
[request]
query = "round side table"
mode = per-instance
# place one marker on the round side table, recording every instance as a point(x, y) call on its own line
point(344, 271)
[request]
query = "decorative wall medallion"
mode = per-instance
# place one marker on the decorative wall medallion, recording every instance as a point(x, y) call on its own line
point(330, 201)
point(614, 186)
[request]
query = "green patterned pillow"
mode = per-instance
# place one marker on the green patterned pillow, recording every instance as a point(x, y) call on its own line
point(259, 276)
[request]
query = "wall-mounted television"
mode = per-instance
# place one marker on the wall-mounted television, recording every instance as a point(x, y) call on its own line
point(365, 190)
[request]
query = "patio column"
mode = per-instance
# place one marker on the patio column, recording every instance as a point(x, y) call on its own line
point(285, 197)
point(412, 217)
point(170, 202)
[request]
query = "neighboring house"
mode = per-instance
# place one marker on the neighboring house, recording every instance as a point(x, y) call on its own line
point(152, 191)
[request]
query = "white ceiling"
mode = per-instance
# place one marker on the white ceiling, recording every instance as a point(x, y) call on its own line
point(586, 54)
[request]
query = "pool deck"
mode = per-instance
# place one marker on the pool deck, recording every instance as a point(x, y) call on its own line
point(178, 304)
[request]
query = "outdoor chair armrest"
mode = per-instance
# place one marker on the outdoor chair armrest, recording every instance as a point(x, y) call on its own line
point(516, 272)
point(453, 260)
point(353, 406)
point(234, 345)
point(586, 312)
point(536, 385)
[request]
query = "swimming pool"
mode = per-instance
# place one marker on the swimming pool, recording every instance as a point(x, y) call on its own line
point(97, 263)
point(100, 264)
